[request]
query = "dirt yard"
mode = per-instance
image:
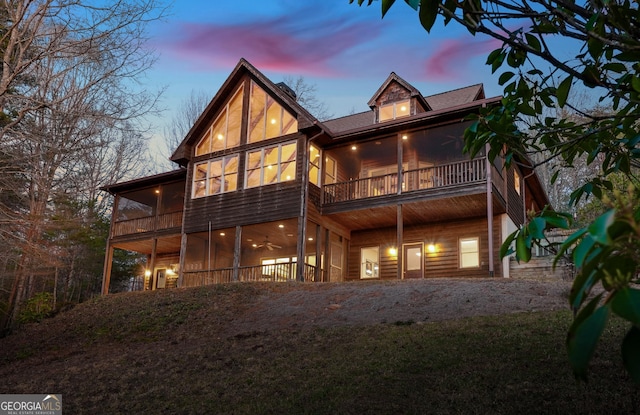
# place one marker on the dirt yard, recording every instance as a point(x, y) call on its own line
point(363, 303)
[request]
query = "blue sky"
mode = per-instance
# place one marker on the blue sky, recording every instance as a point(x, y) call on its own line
point(345, 50)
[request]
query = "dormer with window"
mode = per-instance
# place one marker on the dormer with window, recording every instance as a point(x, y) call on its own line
point(396, 99)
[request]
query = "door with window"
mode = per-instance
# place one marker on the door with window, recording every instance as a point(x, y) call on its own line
point(413, 260)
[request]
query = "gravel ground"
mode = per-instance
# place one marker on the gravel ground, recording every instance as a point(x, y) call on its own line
point(362, 303)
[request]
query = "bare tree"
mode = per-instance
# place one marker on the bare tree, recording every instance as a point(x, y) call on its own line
point(184, 118)
point(71, 106)
point(306, 95)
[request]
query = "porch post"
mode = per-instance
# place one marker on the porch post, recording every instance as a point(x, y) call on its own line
point(108, 260)
point(400, 238)
point(489, 213)
point(183, 252)
point(302, 215)
point(152, 265)
point(327, 256)
point(318, 271)
point(106, 273)
point(236, 254)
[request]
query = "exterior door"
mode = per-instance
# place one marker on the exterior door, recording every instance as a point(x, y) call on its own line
point(413, 260)
point(161, 278)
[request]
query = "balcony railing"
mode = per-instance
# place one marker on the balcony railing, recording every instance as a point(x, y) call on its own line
point(439, 176)
point(147, 224)
point(271, 273)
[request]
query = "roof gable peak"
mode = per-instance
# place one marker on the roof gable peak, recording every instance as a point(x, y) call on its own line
point(395, 78)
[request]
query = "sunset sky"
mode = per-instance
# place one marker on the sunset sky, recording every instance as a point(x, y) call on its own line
point(345, 50)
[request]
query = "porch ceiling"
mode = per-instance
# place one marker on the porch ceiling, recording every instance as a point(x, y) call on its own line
point(166, 245)
point(416, 212)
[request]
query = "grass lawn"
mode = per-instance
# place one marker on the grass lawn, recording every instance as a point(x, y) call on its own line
point(154, 354)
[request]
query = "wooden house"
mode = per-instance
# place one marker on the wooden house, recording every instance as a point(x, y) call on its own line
point(266, 192)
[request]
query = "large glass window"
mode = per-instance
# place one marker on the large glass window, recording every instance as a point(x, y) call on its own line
point(273, 164)
point(469, 253)
point(314, 165)
point(267, 118)
point(215, 176)
point(225, 130)
point(395, 110)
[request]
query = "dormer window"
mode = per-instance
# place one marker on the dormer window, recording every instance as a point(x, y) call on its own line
point(394, 110)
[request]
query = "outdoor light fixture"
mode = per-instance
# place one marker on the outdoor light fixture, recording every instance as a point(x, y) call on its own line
point(431, 248)
point(222, 234)
point(147, 273)
point(281, 226)
point(393, 251)
point(353, 148)
point(404, 136)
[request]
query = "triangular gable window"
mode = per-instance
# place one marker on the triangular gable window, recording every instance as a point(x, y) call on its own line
point(267, 118)
point(225, 130)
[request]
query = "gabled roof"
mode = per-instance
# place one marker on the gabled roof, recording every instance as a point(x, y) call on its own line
point(393, 77)
point(456, 97)
point(156, 179)
point(305, 120)
point(349, 122)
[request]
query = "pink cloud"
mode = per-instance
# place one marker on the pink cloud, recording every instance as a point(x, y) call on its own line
point(282, 44)
point(452, 57)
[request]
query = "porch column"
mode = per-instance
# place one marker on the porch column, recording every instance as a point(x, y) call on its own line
point(327, 256)
point(152, 263)
point(317, 277)
point(489, 213)
point(108, 260)
point(183, 251)
point(302, 231)
point(106, 273)
point(400, 238)
point(236, 254)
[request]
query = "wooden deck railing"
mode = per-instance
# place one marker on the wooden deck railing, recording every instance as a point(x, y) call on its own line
point(147, 224)
point(443, 175)
point(273, 273)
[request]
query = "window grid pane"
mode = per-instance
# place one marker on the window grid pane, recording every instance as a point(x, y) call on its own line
point(268, 166)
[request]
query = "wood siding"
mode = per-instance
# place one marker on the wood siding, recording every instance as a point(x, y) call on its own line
point(443, 263)
point(246, 206)
point(515, 203)
point(243, 207)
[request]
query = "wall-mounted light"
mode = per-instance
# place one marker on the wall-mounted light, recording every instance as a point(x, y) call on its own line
point(393, 251)
point(431, 248)
point(147, 273)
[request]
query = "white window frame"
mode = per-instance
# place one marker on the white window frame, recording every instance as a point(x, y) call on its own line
point(462, 252)
point(394, 105)
point(369, 269)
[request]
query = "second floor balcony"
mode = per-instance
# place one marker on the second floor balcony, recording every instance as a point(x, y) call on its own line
point(434, 177)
